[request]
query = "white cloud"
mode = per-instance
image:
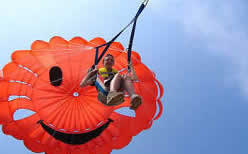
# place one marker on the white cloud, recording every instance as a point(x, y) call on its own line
point(219, 25)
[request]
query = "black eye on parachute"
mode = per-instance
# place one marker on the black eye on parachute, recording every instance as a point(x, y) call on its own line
point(55, 74)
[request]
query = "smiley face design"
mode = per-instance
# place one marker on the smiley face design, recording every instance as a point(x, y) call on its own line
point(73, 137)
point(67, 118)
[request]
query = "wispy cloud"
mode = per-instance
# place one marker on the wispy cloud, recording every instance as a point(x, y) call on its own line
point(219, 25)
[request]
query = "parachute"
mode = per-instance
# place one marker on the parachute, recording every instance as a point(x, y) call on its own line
point(67, 118)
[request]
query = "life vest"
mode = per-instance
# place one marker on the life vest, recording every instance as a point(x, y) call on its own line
point(105, 74)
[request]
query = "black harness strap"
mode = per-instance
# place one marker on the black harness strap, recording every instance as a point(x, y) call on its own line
point(97, 60)
point(134, 20)
point(97, 51)
point(129, 53)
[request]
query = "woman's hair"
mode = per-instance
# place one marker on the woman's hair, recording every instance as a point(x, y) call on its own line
point(108, 55)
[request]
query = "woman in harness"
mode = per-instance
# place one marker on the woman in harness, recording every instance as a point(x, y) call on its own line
point(111, 91)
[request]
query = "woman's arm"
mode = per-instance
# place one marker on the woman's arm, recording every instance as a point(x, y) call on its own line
point(86, 80)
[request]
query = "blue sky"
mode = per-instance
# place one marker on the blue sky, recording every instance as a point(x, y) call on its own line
point(198, 49)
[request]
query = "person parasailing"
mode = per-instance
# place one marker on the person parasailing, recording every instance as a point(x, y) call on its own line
point(111, 85)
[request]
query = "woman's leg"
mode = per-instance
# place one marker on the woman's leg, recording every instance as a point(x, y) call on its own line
point(116, 82)
point(136, 100)
point(128, 85)
point(115, 97)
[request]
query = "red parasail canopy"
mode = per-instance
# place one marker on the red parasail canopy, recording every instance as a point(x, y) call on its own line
point(68, 119)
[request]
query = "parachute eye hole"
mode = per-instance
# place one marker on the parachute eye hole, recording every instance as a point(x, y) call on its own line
point(55, 75)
